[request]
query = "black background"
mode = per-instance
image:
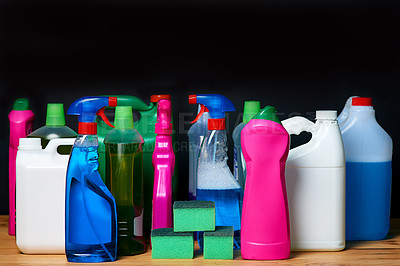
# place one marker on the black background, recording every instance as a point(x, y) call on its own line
point(299, 56)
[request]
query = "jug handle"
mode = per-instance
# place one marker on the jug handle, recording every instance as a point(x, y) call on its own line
point(297, 124)
point(54, 143)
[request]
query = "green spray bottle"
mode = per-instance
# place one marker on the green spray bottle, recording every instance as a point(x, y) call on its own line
point(146, 127)
point(124, 179)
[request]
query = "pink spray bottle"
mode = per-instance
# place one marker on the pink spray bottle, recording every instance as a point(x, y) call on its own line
point(163, 163)
point(265, 231)
point(21, 123)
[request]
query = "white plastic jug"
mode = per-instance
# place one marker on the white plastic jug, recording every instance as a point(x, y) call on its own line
point(315, 180)
point(368, 173)
point(40, 196)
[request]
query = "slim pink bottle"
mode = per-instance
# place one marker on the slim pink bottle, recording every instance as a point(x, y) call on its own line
point(21, 123)
point(265, 231)
point(163, 163)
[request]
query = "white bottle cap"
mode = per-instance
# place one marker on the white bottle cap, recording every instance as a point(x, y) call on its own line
point(30, 144)
point(326, 115)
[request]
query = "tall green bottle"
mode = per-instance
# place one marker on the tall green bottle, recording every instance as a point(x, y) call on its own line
point(124, 179)
point(55, 128)
point(146, 127)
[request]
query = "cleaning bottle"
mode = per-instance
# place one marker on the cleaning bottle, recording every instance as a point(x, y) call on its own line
point(124, 178)
point(40, 196)
point(315, 180)
point(265, 231)
point(368, 150)
point(196, 135)
point(21, 122)
point(345, 112)
point(146, 127)
point(215, 181)
point(90, 211)
point(163, 163)
point(251, 108)
point(55, 128)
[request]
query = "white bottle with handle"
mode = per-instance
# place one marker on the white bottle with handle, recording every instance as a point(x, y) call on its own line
point(40, 196)
point(315, 180)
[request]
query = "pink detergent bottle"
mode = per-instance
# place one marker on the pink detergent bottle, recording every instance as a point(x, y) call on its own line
point(265, 217)
point(163, 163)
point(21, 123)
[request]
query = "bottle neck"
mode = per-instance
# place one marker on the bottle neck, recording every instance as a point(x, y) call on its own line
point(361, 113)
point(86, 141)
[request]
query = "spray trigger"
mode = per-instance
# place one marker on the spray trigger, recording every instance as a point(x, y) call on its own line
point(202, 109)
point(103, 116)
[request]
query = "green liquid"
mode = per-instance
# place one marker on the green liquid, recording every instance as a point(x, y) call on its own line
point(124, 178)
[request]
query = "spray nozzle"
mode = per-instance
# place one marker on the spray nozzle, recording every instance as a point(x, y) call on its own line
point(87, 108)
point(217, 105)
point(163, 125)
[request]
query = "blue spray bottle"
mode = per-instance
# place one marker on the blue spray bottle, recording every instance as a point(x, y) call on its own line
point(215, 181)
point(90, 210)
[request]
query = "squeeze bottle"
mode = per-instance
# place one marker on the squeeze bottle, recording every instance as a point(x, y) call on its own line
point(21, 122)
point(316, 180)
point(251, 108)
point(55, 128)
point(146, 127)
point(40, 196)
point(265, 231)
point(163, 163)
point(215, 181)
point(124, 178)
point(90, 210)
point(368, 150)
point(196, 135)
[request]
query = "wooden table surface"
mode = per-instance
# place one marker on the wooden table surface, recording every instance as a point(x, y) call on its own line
point(382, 252)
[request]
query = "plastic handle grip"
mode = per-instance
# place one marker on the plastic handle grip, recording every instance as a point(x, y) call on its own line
point(296, 125)
point(54, 143)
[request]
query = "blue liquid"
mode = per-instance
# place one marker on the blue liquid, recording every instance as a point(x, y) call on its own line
point(368, 189)
point(90, 213)
point(227, 209)
point(226, 205)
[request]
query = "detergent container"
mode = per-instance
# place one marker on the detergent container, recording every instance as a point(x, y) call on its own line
point(315, 180)
point(40, 196)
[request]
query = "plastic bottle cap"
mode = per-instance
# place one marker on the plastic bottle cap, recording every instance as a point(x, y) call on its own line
point(123, 117)
point(251, 108)
point(55, 114)
point(361, 101)
point(156, 98)
point(21, 104)
point(326, 114)
point(268, 113)
point(30, 144)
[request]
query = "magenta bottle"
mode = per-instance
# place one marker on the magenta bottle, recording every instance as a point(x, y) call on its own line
point(163, 163)
point(21, 123)
point(265, 231)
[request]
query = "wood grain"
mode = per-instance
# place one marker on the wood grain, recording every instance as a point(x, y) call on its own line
point(384, 252)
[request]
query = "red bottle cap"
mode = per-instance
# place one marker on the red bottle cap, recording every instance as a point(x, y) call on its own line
point(192, 99)
point(361, 101)
point(85, 128)
point(216, 124)
point(156, 98)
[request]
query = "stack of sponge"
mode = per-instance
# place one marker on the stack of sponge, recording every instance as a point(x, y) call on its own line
point(189, 217)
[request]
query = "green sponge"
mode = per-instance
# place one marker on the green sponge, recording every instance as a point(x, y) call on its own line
point(196, 215)
point(166, 244)
point(219, 244)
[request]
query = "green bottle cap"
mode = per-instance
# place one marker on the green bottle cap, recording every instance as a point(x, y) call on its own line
point(21, 104)
point(251, 108)
point(268, 113)
point(55, 114)
point(123, 117)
